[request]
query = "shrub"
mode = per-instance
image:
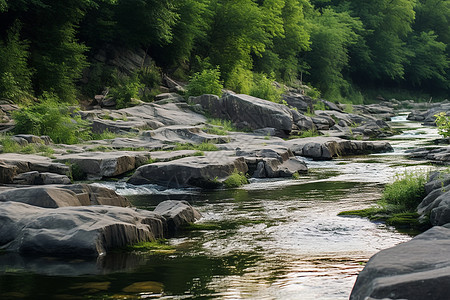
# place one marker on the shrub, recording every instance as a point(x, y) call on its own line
point(264, 88)
point(236, 179)
point(48, 117)
point(205, 82)
point(443, 124)
point(406, 192)
point(126, 88)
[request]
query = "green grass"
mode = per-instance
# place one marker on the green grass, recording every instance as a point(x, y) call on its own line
point(398, 203)
point(156, 247)
point(200, 147)
point(215, 130)
point(236, 179)
point(105, 135)
point(201, 226)
point(296, 176)
point(101, 148)
point(305, 134)
point(11, 146)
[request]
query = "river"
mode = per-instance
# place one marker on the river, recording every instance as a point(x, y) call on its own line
point(274, 239)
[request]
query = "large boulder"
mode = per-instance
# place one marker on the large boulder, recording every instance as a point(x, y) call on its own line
point(36, 178)
point(416, 270)
point(74, 231)
point(247, 111)
point(97, 165)
point(436, 204)
point(202, 171)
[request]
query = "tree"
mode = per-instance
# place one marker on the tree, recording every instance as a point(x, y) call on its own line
point(332, 34)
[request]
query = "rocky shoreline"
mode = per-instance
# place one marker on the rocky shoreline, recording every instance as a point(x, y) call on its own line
point(173, 144)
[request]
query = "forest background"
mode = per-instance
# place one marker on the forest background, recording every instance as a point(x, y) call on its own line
point(344, 49)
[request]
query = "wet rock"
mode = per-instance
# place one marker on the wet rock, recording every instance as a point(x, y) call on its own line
point(201, 171)
point(418, 269)
point(325, 148)
point(177, 214)
point(74, 231)
point(440, 155)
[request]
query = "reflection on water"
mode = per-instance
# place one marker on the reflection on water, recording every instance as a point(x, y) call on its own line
point(274, 239)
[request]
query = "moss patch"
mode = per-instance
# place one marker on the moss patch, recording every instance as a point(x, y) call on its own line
point(155, 247)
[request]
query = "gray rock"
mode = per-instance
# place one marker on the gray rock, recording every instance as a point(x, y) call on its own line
point(325, 148)
point(36, 178)
point(299, 101)
point(427, 117)
point(106, 164)
point(12, 164)
point(53, 196)
point(247, 111)
point(182, 134)
point(416, 270)
point(201, 171)
point(177, 214)
point(74, 231)
point(436, 204)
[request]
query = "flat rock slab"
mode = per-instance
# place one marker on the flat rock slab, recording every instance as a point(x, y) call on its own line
point(54, 196)
point(325, 148)
point(86, 231)
point(200, 171)
point(416, 270)
point(106, 164)
point(13, 164)
point(182, 134)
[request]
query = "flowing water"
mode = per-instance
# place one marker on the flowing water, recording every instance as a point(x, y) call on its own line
point(274, 239)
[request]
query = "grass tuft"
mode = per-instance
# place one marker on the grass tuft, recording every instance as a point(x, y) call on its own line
point(236, 179)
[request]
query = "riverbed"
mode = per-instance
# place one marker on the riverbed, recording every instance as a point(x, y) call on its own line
point(271, 239)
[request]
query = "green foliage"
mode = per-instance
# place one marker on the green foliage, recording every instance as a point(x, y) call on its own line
point(399, 203)
point(264, 88)
point(205, 82)
point(443, 124)
point(126, 89)
point(296, 176)
point(406, 192)
point(11, 146)
point(15, 75)
point(236, 179)
point(48, 117)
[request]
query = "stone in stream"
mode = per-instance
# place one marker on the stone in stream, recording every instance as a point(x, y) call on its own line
point(177, 214)
point(88, 230)
point(74, 231)
point(325, 148)
point(415, 270)
point(201, 171)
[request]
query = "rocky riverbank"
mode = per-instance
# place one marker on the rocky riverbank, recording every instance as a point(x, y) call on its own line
point(171, 143)
point(420, 268)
